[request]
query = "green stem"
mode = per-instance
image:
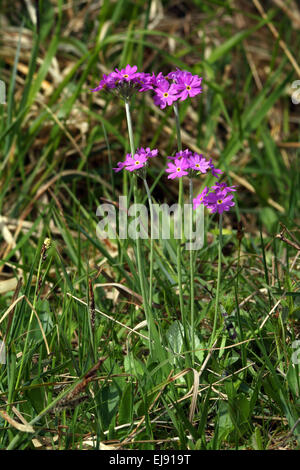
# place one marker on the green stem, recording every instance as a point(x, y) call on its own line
point(151, 241)
point(109, 161)
point(180, 203)
point(180, 194)
point(192, 295)
point(177, 121)
point(243, 352)
point(179, 272)
point(153, 336)
point(130, 129)
point(218, 281)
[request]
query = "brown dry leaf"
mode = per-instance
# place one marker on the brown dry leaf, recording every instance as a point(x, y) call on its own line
point(44, 443)
point(90, 442)
point(195, 396)
point(20, 427)
point(107, 447)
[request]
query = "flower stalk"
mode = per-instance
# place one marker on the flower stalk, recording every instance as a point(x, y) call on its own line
point(180, 197)
point(218, 280)
point(192, 293)
point(180, 203)
point(153, 335)
point(151, 240)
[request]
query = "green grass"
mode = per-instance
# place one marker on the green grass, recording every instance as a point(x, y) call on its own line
point(58, 143)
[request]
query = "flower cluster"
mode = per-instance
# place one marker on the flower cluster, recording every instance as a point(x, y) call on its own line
point(137, 161)
point(218, 200)
point(219, 197)
point(175, 86)
point(186, 162)
point(124, 82)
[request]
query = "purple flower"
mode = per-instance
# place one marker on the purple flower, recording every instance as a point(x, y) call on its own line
point(175, 74)
point(124, 82)
point(127, 81)
point(196, 162)
point(199, 163)
point(150, 81)
point(219, 201)
point(128, 74)
point(186, 154)
point(120, 166)
point(166, 94)
point(177, 169)
point(149, 153)
point(200, 199)
point(106, 82)
point(215, 171)
point(224, 187)
point(188, 85)
point(147, 84)
point(139, 159)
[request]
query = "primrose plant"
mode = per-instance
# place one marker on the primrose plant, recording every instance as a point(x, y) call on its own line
point(169, 90)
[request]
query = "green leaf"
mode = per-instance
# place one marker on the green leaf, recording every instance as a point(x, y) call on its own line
point(133, 365)
point(256, 440)
point(225, 423)
point(36, 396)
point(126, 405)
point(109, 400)
point(175, 336)
point(293, 379)
point(46, 13)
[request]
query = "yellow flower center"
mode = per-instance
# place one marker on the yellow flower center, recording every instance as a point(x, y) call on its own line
point(126, 75)
point(178, 169)
point(188, 87)
point(166, 95)
point(219, 201)
point(137, 162)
